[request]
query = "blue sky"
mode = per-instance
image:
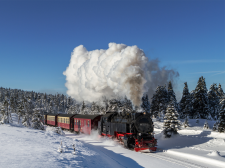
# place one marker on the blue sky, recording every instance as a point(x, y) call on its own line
point(37, 37)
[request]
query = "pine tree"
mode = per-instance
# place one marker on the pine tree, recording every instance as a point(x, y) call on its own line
point(83, 106)
point(220, 91)
point(171, 95)
point(126, 105)
point(185, 106)
point(20, 111)
point(159, 101)
point(222, 95)
point(37, 119)
point(2, 113)
point(26, 120)
point(154, 110)
point(171, 123)
point(200, 100)
point(71, 110)
point(94, 108)
point(145, 103)
point(221, 120)
point(213, 101)
point(7, 115)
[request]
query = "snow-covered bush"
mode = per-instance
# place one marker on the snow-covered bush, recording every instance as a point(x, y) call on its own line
point(57, 130)
point(206, 125)
point(186, 124)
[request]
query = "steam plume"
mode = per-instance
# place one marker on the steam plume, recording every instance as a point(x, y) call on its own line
point(118, 71)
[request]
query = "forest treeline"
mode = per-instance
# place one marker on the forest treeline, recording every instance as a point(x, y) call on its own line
point(30, 106)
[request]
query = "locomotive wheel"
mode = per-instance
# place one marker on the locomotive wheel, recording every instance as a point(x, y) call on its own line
point(129, 143)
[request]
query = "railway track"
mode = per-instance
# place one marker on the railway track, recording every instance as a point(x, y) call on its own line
point(179, 161)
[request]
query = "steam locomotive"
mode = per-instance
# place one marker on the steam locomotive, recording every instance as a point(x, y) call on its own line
point(133, 130)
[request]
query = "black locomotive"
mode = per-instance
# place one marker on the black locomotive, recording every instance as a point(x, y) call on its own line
point(134, 130)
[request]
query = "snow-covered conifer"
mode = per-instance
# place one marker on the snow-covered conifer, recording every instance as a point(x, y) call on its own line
point(2, 114)
point(185, 106)
point(72, 110)
point(171, 95)
point(20, 111)
point(220, 91)
point(213, 101)
point(83, 106)
point(37, 119)
point(94, 108)
point(215, 126)
point(145, 103)
point(200, 100)
point(221, 119)
point(161, 96)
point(7, 116)
point(126, 105)
point(171, 123)
point(26, 120)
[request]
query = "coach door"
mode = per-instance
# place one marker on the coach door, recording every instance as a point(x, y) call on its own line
point(79, 125)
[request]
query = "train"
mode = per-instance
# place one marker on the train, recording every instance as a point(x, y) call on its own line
point(134, 130)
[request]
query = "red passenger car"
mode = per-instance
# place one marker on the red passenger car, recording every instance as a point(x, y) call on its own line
point(66, 121)
point(85, 123)
point(52, 119)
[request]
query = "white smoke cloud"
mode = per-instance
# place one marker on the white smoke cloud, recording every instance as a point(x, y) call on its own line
point(118, 71)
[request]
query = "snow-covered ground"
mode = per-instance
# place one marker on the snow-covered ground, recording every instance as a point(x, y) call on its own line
point(193, 147)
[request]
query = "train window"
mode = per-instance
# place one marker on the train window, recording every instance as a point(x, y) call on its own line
point(80, 122)
point(75, 122)
point(88, 123)
point(84, 122)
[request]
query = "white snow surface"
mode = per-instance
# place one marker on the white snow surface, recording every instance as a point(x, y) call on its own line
point(193, 147)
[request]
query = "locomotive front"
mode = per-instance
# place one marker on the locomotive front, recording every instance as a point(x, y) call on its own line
point(144, 137)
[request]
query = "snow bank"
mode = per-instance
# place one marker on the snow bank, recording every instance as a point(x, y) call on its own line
point(57, 130)
point(212, 162)
point(23, 147)
point(214, 153)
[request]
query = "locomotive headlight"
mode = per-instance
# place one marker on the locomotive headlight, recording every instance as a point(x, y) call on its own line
point(139, 134)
